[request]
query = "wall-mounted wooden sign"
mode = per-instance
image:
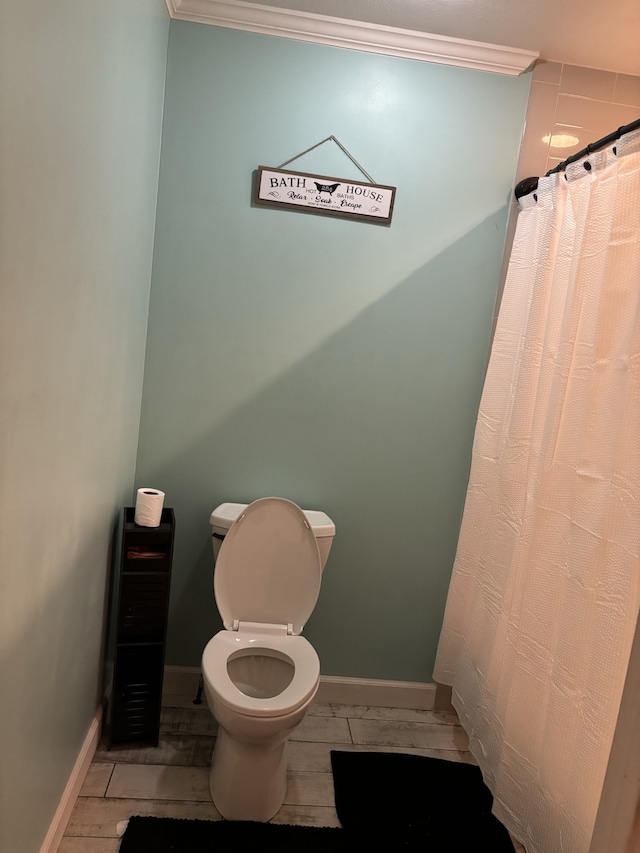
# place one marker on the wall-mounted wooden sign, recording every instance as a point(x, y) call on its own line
point(334, 196)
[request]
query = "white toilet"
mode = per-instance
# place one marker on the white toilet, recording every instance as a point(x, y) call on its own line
point(259, 674)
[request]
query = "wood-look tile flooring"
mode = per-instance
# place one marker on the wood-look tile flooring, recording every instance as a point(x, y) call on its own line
point(172, 780)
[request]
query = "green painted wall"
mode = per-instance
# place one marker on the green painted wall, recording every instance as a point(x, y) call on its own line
point(81, 94)
point(332, 362)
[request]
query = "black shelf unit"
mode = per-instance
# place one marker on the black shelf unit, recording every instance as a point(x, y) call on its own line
point(139, 629)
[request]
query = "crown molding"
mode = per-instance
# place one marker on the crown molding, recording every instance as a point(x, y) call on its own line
point(354, 35)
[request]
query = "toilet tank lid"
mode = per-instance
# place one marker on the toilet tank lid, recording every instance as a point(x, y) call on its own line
point(224, 515)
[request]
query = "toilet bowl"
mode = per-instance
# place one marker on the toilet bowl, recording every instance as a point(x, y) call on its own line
point(259, 674)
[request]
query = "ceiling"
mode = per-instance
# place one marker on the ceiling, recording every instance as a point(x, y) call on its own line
point(595, 33)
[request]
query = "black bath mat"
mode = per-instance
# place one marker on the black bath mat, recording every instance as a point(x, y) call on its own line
point(429, 803)
point(385, 801)
point(168, 835)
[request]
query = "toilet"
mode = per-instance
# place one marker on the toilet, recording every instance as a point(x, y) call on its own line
point(260, 675)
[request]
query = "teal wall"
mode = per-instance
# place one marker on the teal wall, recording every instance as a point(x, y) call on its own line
point(332, 362)
point(81, 95)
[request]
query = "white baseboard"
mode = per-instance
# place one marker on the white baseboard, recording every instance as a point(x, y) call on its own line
point(72, 789)
point(375, 692)
point(333, 689)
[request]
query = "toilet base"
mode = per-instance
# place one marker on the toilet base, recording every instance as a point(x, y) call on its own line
point(248, 781)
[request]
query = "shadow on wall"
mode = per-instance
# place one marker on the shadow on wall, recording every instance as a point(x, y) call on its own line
point(394, 398)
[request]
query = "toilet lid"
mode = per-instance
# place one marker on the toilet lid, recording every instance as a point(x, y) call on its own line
point(268, 569)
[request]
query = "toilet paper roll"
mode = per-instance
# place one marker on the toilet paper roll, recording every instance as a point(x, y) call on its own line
point(149, 503)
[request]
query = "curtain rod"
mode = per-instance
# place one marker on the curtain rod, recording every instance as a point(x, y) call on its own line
point(528, 185)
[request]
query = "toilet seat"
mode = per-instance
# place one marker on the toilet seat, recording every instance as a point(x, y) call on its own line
point(269, 567)
point(303, 657)
point(266, 584)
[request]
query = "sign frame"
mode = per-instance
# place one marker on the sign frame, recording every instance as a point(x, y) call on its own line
point(311, 193)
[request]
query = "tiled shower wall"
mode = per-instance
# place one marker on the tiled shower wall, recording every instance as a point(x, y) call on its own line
point(569, 107)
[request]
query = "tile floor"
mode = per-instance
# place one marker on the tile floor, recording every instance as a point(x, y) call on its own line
point(172, 780)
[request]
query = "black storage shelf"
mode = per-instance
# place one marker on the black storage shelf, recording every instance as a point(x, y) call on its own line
point(142, 597)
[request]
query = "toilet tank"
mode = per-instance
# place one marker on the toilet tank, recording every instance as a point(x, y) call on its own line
point(224, 515)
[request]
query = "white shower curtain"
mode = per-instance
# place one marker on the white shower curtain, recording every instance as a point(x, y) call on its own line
point(545, 591)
